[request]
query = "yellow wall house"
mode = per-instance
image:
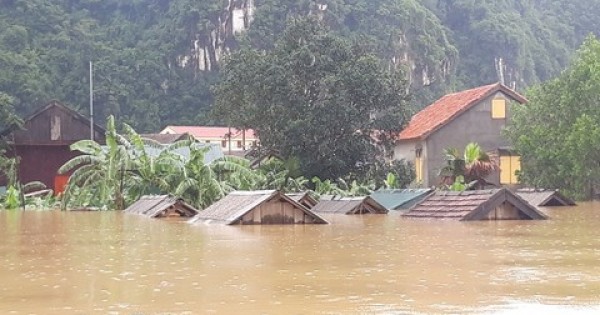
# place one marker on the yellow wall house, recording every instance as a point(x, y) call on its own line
point(476, 115)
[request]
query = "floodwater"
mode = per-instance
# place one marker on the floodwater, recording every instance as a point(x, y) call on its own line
point(113, 263)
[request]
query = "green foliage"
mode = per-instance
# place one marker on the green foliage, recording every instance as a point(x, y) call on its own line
point(557, 132)
point(177, 47)
point(12, 199)
point(315, 97)
point(472, 167)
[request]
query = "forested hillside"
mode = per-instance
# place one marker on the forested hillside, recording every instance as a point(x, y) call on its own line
point(156, 60)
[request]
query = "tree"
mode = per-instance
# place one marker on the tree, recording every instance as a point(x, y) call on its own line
point(315, 97)
point(471, 168)
point(557, 133)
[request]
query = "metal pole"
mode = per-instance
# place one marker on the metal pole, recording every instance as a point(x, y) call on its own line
point(91, 102)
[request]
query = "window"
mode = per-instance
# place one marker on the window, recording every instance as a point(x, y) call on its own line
point(239, 144)
point(419, 164)
point(224, 143)
point(498, 109)
point(207, 141)
point(510, 165)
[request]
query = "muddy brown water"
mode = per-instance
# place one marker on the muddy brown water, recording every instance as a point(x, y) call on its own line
point(113, 263)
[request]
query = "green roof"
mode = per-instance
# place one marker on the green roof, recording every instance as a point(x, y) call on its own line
point(400, 199)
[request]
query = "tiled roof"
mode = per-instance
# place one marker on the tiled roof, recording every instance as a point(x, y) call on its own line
point(471, 205)
point(209, 132)
point(448, 107)
point(545, 197)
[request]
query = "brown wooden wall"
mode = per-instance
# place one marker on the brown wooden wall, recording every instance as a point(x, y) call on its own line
point(276, 212)
point(54, 126)
point(505, 211)
point(40, 162)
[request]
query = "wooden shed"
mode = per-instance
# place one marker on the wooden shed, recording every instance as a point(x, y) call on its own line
point(304, 198)
point(495, 204)
point(257, 207)
point(349, 205)
point(545, 198)
point(161, 206)
point(400, 199)
point(43, 143)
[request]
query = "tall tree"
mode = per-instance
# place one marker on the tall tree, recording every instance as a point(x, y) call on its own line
point(557, 132)
point(315, 96)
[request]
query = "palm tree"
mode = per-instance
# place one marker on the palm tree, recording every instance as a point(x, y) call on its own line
point(474, 165)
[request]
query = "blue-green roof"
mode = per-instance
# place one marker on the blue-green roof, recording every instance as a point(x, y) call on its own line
point(399, 199)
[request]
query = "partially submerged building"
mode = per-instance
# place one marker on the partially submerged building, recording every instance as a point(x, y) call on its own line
point(495, 204)
point(400, 199)
point(43, 143)
point(545, 198)
point(476, 115)
point(257, 207)
point(161, 206)
point(304, 198)
point(349, 205)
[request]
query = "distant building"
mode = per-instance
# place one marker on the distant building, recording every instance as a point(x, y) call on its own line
point(477, 115)
point(231, 140)
point(43, 144)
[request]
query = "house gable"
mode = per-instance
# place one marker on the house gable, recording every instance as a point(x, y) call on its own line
point(450, 106)
point(53, 124)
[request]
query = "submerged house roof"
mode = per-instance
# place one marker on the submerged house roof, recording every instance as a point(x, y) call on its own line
point(349, 205)
point(257, 207)
point(400, 199)
point(545, 198)
point(159, 206)
point(444, 110)
point(303, 198)
point(165, 138)
point(495, 204)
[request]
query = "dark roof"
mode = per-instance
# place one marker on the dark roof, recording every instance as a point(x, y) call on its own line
point(55, 103)
point(349, 205)
point(231, 208)
point(154, 206)
point(444, 110)
point(471, 205)
point(304, 198)
point(400, 199)
point(165, 138)
point(545, 198)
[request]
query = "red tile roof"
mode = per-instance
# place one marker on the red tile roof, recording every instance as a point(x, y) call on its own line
point(442, 111)
point(210, 132)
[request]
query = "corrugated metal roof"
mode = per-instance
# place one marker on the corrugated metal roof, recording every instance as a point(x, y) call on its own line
point(236, 204)
point(213, 152)
point(349, 205)
point(399, 199)
point(154, 205)
point(164, 138)
point(470, 205)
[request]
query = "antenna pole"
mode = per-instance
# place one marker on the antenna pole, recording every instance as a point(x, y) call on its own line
point(91, 102)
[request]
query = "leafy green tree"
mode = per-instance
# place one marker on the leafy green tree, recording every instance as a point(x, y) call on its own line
point(557, 134)
point(471, 167)
point(315, 97)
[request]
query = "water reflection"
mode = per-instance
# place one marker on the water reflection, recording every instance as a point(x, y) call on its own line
point(61, 263)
